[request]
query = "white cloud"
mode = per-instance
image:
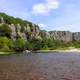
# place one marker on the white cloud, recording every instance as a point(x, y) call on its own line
point(40, 9)
point(43, 26)
point(52, 4)
point(45, 8)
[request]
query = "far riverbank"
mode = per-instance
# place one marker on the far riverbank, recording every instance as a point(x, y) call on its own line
point(67, 50)
point(45, 51)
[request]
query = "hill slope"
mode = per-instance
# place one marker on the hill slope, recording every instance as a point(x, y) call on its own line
point(18, 35)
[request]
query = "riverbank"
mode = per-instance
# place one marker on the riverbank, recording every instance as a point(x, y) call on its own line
point(7, 53)
point(45, 51)
point(68, 50)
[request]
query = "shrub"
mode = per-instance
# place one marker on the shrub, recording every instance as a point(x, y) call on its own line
point(6, 44)
point(5, 30)
point(19, 45)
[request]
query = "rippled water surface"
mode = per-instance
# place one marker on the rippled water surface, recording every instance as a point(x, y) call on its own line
point(40, 66)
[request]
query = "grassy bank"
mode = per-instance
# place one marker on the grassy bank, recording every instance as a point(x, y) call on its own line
point(7, 53)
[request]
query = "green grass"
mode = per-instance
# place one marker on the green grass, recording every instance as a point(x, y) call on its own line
point(5, 53)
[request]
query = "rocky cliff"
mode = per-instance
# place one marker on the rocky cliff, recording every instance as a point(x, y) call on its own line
point(27, 30)
point(19, 28)
point(66, 36)
point(61, 35)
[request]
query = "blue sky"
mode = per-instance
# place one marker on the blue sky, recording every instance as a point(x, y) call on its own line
point(49, 14)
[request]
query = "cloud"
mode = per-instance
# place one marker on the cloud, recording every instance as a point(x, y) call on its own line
point(52, 4)
point(40, 9)
point(43, 26)
point(45, 8)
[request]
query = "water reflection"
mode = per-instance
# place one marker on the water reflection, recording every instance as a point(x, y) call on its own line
point(40, 66)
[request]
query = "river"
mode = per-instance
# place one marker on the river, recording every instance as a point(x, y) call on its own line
point(40, 66)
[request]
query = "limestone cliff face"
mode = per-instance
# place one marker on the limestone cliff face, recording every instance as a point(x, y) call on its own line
point(66, 36)
point(30, 31)
point(45, 34)
point(27, 32)
point(76, 36)
point(61, 35)
point(13, 34)
point(1, 19)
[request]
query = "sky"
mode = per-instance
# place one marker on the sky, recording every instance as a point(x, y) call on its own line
point(48, 14)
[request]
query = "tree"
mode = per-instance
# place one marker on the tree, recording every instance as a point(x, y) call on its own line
point(5, 30)
point(6, 44)
point(28, 45)
point(19, 45)
point(36, 44)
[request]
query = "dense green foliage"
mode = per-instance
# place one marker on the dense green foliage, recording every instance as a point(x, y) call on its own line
point(19, 45)
point(6, 44)
point(5, 30)
point(10, 20)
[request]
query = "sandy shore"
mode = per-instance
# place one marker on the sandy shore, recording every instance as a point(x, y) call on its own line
point(47, 51)
point(70, 50)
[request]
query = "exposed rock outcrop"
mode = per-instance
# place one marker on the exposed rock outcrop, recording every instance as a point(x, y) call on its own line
point(28, 28)
point(61, 35)
point(13, 34)
point(76, 36)
point(2, 20)
point(45, 34)
point(29, 31)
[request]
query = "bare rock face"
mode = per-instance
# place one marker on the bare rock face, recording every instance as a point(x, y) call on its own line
point(34, 32)
point(76, 36)
point(45, 34)
point(24, 29)
point(13, 34)
point(18, 27)
point(48, 35)
point(61, 35)
point(37, 30)
point(31, 30)
point(37, 33)
point(2, 20)
point(24, 36)
point(28, 28)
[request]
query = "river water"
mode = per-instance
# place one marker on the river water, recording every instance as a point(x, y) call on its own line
point(40, 66)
